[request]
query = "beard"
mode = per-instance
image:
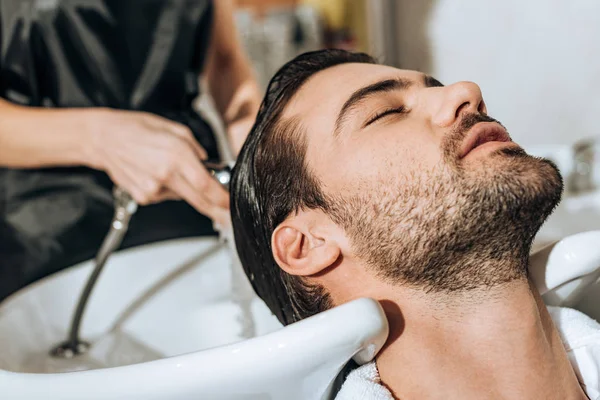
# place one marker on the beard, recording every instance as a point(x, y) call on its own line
point(458, 226)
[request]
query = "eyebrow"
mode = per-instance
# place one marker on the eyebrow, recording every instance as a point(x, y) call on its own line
point(384, 86)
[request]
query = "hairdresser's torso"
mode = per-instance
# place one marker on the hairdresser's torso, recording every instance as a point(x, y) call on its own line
point(142, 55)
point(125, 54)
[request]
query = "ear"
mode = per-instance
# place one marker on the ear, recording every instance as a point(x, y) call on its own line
point(303, 244)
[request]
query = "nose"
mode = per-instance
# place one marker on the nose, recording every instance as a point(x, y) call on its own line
point(453, 100)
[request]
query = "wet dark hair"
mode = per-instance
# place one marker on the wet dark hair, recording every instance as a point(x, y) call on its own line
point(271, 181)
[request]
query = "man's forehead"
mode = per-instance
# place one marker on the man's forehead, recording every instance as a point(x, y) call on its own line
point(325, 92)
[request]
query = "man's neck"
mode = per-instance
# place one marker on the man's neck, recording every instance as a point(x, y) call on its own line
point(497, 343)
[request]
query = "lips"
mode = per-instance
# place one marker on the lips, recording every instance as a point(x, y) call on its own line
point(482, 133)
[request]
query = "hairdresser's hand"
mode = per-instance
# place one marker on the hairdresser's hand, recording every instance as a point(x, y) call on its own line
point(155, 159)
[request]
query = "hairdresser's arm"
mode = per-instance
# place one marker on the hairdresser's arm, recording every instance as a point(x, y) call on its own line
point(38, 137)
point(230, 77)
point(151, 157)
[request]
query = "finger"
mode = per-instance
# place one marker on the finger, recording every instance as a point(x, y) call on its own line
point(168, 194)
point(154, 181)
point(153, 176)
point(148, 184)
point(197, 200)
point(195, 185)
point(203, 182)
point(184, 133)
point(131, 182)
point(200, 180)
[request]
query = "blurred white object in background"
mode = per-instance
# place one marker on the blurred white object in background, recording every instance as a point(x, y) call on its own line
point(536, 61)
point(564, 271)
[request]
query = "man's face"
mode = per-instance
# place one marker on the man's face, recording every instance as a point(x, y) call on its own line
point(419, 177)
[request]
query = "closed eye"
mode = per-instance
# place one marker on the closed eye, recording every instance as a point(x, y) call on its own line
point(385, 113)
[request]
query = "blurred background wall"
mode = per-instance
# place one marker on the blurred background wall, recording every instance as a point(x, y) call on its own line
point(537, 61)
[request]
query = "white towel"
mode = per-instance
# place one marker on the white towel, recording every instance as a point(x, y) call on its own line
point(580, 335)
point(364, 384)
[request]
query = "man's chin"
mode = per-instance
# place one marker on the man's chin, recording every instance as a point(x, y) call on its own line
point(515, 161)
point(513, 151)
point(520, 162)
point(526, 180)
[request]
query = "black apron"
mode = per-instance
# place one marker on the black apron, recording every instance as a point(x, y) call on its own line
point(125, 54)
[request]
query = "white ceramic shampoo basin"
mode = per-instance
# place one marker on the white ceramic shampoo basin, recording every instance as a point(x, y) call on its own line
point(176, 300)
